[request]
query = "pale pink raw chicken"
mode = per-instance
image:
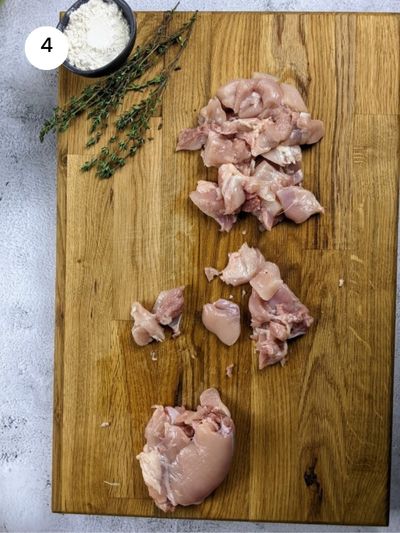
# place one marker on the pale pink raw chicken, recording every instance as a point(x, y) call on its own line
point(223, 319)
point(211, 273)
point(267, 281)
point(276, 320)
point(277, 315)
point(192, 138)
point(292, 98)
point(252, 131)
point(146, 327)
point(187, 453)
point(305, 130)
point(298, 204)
point(168, 308)
point(242, 265)
point(229, 370)
point(208, 198)
point(230, 182)
point(284, 155)
point(212, 112)
point(167, 311)
point(219, 149)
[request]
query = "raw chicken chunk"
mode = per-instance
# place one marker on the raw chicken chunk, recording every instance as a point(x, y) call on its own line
point(219, 149)
point(267, 281)
point(230, 182)
point(211, 273)
point(305, 130)
point(187, 453)
point(274, 321)
point(168, 308)
point(192, 138)
point(223, 319)
point(292, 98)
point(298, 203)
point(242, 265)
point(284, 155)
point(212, 112)
point(208, 198)
point(167, 311)
point(146, 327)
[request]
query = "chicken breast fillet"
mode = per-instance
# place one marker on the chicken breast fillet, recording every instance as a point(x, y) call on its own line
point(223, 319)
point(187, 453)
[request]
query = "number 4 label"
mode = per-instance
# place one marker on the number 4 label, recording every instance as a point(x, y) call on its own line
point(47, 45)
point(46, 48)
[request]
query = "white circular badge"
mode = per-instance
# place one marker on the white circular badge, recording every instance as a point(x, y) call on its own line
point(46, 48)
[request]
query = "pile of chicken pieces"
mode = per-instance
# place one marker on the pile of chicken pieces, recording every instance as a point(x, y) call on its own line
point(252, 131)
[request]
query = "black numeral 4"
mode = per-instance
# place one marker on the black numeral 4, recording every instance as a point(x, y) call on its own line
point(47, 45)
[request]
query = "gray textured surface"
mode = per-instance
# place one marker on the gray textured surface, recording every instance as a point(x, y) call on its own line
point(27, 272)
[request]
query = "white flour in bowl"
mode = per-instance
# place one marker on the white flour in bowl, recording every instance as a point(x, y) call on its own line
point(97, 33)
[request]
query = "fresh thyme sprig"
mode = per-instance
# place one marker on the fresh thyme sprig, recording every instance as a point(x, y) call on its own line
point(100, 99)
point(101, 95)
point(136, 120)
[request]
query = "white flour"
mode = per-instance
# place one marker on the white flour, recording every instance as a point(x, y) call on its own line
point(97, 33)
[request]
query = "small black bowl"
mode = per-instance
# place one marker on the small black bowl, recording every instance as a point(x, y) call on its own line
point(116, 63)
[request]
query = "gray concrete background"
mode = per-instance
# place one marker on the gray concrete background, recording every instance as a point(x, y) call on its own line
point(27, 273)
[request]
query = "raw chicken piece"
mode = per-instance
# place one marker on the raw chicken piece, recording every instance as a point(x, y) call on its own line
point(261, 200)
point(284, 307)
point(305, 131)
point(237, 125)
point(242, 265)
point(255, 95)
point(268, 135)
point(230, 181)
point(298, 203)
point(284, 155)
point(263, 169)
point(227, 94)
point(219, 150)
point(187, 454)
point(223, 319)
point(211, 273)
point(270, 214)
point(267, 281)
point(192, 138)
point(208, 198)
point(212, 112)
point(145, 326)
point(211, 398)
point(292, 98)
point(270, 349)
point(248, 102)
point(276, 320)
point(247, 169)
point(229, 370)
point(249, 97)
point(252, 204)
point(289, 159)
point(266, 181)
point(168, 309)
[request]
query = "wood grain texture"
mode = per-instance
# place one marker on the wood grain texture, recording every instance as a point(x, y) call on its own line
point(313, 438)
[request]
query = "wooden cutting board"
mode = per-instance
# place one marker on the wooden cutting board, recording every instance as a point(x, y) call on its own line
point(313, 438)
